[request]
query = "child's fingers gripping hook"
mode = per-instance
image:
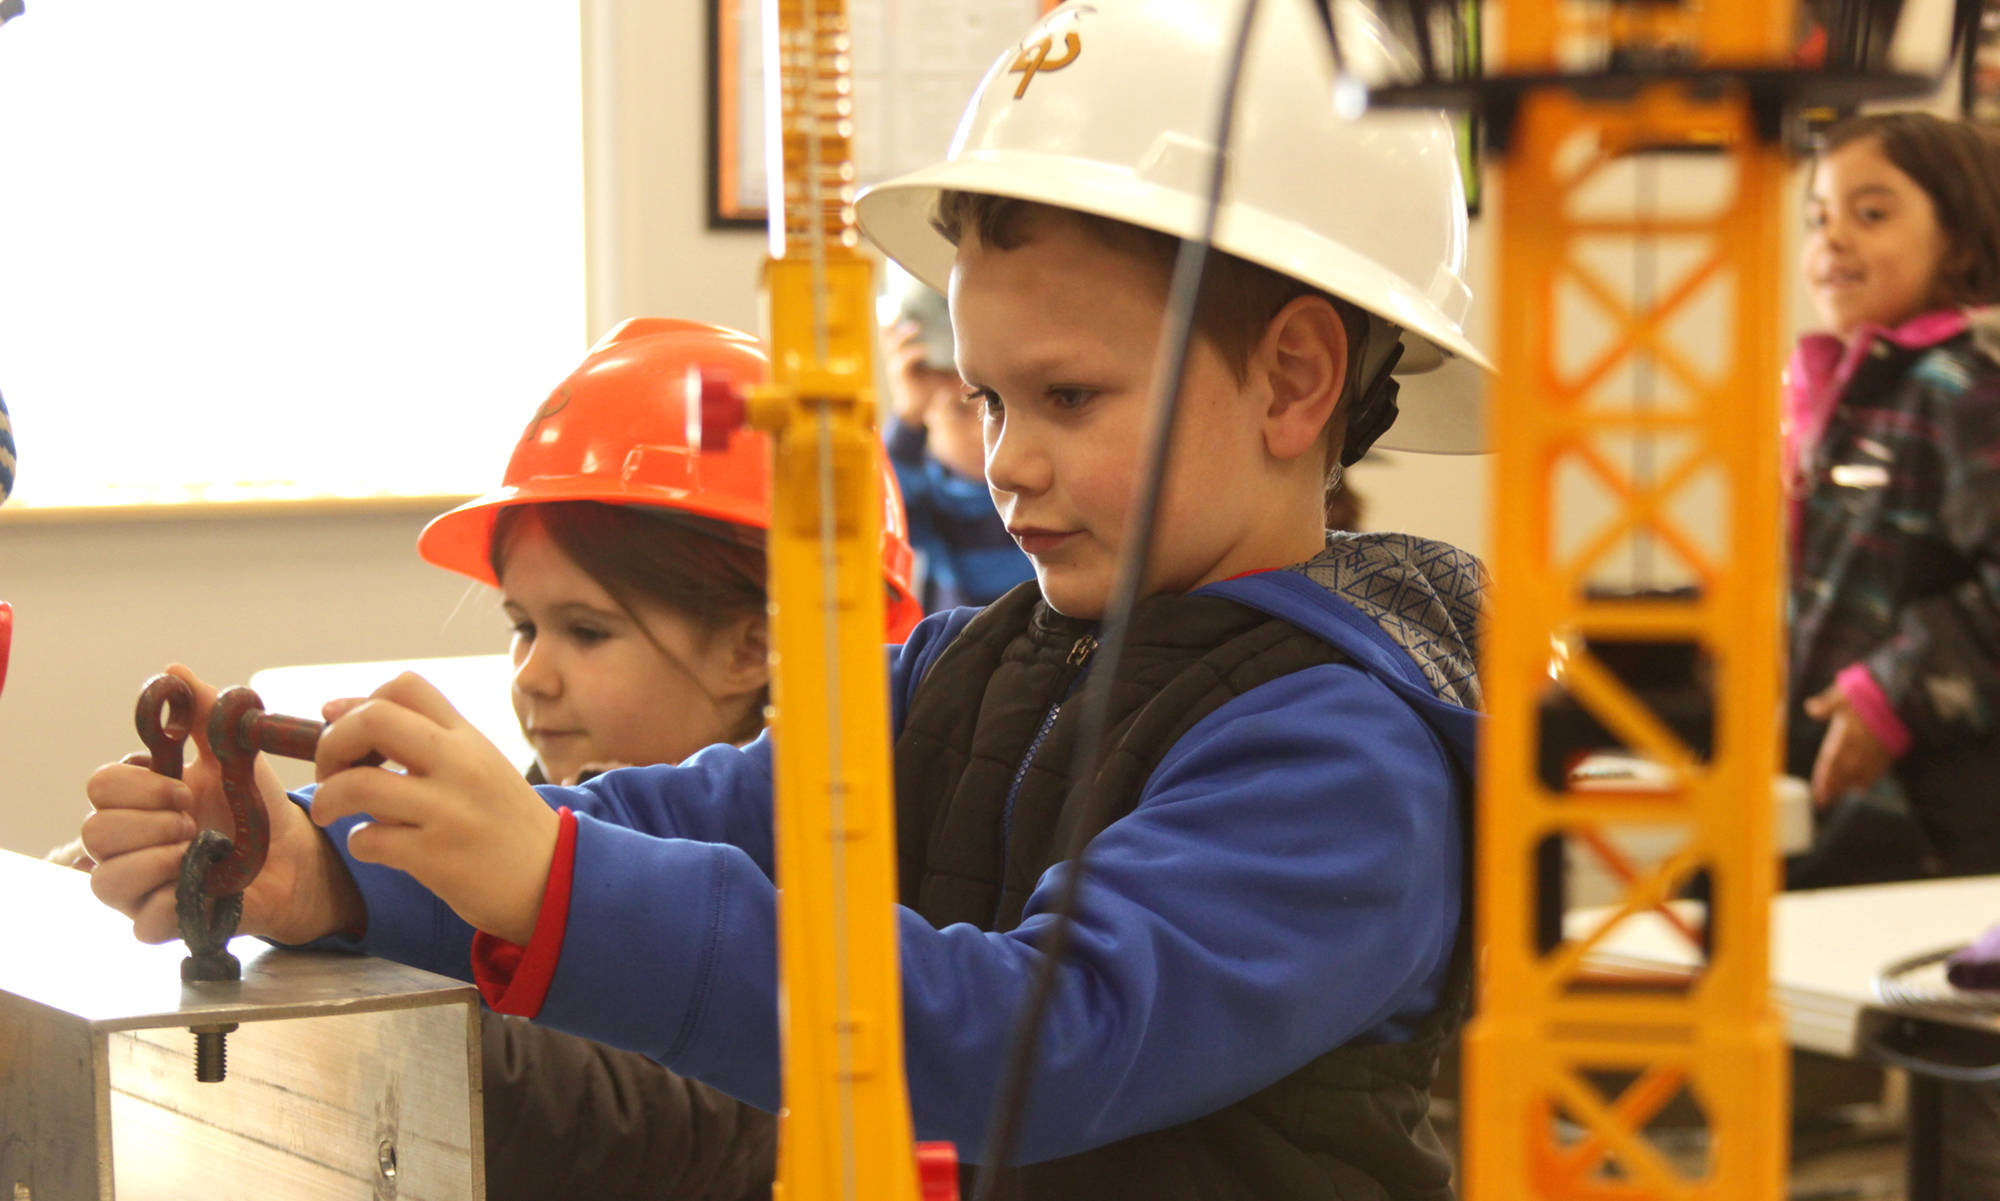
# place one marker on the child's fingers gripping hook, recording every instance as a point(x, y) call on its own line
point(238, 729)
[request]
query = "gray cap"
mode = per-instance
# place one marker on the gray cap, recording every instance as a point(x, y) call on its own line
point(904, 297)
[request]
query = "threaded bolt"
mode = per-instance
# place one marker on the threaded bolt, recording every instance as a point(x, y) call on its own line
point(211, 1052)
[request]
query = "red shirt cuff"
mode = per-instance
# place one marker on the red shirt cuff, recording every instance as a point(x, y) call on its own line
point(1872, 707)
point(513, 978)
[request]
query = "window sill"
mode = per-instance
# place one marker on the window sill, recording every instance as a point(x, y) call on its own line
point(214, 510)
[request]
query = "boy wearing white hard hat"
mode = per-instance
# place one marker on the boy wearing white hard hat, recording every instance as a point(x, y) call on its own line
point(1273, 951)
point(1270, 950)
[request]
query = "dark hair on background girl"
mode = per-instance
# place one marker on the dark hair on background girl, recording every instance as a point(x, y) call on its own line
point(1957, 164)
point(710, 572)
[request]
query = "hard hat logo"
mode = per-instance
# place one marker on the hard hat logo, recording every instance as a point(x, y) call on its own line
point(550, 407)
point(1034, 57)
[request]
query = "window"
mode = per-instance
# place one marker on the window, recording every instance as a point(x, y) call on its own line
point(264, 251)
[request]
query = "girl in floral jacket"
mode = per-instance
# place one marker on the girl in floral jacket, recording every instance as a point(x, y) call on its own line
point(1893, 437)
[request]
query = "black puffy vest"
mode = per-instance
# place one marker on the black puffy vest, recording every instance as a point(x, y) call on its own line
point(1352, 1125)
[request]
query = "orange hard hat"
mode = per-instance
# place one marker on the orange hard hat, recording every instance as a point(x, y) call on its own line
point(616, 431)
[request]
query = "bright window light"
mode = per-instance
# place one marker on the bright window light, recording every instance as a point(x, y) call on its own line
point(255, 250)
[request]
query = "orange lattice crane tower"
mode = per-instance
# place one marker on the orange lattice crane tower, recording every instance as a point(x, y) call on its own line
point(1612, 384)
point(1564, 1074)
point(1636, 609)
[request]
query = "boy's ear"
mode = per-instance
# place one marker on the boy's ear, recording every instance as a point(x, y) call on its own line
point(1304, 358)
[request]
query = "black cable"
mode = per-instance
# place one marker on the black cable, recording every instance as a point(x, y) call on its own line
point(1420, 33)
point(1170, 367)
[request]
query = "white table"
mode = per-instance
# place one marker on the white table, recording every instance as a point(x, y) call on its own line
point(1827, 949)
point(1828, 945)
point(476, 685)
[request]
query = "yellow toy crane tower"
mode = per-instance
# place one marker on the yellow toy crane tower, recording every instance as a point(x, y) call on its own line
point(845, 1129)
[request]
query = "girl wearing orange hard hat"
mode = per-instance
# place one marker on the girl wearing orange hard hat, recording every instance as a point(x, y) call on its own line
point(605, 486)
point(630, 563)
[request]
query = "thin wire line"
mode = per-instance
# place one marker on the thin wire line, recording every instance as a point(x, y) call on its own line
point(1190, 267)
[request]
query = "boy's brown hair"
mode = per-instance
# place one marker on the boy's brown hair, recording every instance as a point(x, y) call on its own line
point(1238, 297)
point(1957, 164)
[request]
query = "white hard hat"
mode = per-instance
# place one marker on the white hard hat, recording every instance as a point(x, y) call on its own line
point(1109, 108)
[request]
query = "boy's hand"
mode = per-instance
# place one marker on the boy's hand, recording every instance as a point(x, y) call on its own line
point(1850, 756)
point(459, 817)
point(142, 824)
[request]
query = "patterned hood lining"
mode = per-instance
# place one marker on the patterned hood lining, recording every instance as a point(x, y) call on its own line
point(1424, 594)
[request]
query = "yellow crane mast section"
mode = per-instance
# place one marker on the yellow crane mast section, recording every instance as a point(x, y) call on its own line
point(845, 1130)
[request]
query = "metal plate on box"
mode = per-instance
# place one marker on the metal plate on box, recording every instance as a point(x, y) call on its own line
point(347, 1076)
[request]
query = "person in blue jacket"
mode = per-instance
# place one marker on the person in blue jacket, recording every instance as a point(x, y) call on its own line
point(1272, 948)
point(965, 556)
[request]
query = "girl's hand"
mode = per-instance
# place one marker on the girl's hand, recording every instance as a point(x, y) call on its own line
point(459, 817)
point(143, 822)
point(70, 854)
point(1850, 756)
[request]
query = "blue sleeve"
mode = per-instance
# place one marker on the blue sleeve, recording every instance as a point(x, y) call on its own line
point(908, 445)
point(406, 921)
point(909, 456)
point(1289, 882)
point(720, 798)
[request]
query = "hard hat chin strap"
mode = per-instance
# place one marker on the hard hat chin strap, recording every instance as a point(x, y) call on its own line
point(1371, 414)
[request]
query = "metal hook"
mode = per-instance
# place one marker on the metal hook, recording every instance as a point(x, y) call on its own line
point(165, 717)
point(233, 726)
point(208, 899)
point(238, 728)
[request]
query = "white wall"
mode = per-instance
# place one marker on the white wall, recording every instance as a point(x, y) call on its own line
point(102, 604)
point(646, 173)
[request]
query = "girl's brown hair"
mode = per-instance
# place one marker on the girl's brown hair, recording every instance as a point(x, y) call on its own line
point(709, 572)
point(1957, 164)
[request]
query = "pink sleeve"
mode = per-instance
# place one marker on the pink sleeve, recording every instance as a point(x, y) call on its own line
point(1872, 707)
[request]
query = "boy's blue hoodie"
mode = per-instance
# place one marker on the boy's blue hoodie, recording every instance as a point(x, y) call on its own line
point(1290, 881)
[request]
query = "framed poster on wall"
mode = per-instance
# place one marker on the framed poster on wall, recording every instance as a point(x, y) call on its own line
point(916, 62)
point(1979, 81)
